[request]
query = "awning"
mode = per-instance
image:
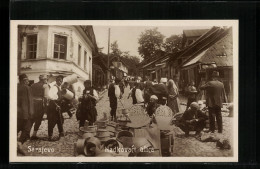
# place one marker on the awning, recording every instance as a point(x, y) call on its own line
point(196, 59)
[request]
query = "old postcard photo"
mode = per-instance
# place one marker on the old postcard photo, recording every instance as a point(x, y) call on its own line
point(124, 91)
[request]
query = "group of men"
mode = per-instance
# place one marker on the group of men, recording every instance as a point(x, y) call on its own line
point(36, 100)
point(193, 118)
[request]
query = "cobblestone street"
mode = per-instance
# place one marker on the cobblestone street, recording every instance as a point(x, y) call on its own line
point(183, 147)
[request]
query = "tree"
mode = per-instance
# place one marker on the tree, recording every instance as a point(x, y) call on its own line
point(150, 42)
point(115, 50)
point(173, 43)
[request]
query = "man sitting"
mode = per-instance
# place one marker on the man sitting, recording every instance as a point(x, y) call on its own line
point(193, 120)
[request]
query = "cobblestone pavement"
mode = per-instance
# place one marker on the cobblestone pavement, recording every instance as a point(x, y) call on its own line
point(183, 147)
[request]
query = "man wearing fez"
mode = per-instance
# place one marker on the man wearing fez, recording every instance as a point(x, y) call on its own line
point(39, 101)
point(54, 110)
point(193, 119)
point(25, 111)
point(215, 93)
point(113, 94)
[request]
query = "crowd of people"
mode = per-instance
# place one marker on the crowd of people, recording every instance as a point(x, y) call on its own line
point(40, 98)
point(152, 94)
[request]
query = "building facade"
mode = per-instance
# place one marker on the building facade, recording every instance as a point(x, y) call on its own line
point(56, 50)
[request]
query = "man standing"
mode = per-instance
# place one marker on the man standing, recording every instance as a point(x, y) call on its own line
point(113, 94)
point(215, 93)
point(25, 110)
point(39, 101)
point(54, 109)
point(193, 119)
point(87, 107)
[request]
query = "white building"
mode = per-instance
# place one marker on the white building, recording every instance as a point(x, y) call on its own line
point(56, 50)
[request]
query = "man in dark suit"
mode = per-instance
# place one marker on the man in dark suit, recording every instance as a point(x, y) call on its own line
point(25, 108)
point(39, 102)
point(25, 111)
point(215, 94)
point(193, 119)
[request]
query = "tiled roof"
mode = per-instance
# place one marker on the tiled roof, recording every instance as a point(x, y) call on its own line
point(194, 32)
point(220, 53)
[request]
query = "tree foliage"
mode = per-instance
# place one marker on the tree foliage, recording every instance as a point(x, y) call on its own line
point(173, 43)
point(115, 50)
point(130, 61)
point(150, 42)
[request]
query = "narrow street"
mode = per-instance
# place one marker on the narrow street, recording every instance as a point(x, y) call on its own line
point(183, 147)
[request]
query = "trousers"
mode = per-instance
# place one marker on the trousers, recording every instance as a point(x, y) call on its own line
point(113, 105)
point(39, 112)
point(215, 113)
point(54, 117)
point(24, 125)
point(195, 126)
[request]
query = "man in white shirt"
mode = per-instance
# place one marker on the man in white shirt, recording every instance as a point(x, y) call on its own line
point(54, 111)
point(113, 94)
point(136, 94)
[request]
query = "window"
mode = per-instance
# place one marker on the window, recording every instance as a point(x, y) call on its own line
point(79, 55)
point(60, 47)
point(85, 60)
point(31, 46)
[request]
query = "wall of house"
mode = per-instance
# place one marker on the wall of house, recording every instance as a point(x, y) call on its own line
point(42, 41)
point(45, 63)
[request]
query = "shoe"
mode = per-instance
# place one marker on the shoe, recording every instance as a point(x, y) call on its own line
point(20, 149)
point(34, 138)
point(62, 135)
point(53, 138)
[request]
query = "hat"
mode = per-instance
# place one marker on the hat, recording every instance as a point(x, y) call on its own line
point(154, 97)
point(43, 77)
point(195, 105)
point(22, 77)
point(163, 80)
point(60, 76)
point(87, 81)
point(215, 74)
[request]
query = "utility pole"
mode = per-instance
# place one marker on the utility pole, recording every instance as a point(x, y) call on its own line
point(108, 47)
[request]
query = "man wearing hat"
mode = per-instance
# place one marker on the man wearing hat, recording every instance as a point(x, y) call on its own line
point(54, 110)
point(25, 111)
point(39, 101)
point(113, 94)
point(193, 120)
point(215, 94)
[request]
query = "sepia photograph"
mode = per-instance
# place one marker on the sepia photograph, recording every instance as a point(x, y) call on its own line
point(124, 91)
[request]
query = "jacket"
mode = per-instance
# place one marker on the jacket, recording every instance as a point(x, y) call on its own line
point(24, 102)
point(215, 93)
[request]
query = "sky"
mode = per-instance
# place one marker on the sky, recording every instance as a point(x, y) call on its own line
point(127, 36)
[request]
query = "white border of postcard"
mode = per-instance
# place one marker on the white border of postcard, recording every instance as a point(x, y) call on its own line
point(13, 89)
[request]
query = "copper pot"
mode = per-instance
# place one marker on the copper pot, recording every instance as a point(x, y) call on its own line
point(80, 146)
point(92, 146)
point(101, 124)
point(112, 144)
point(86, 136)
